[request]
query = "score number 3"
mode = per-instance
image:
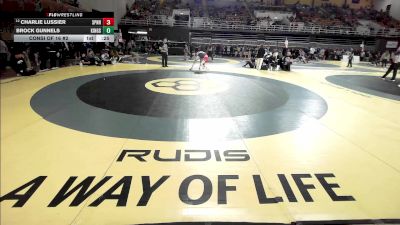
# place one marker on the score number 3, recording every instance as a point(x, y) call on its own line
point(108, 21)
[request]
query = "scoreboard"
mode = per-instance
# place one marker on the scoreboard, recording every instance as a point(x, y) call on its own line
point(65, 27)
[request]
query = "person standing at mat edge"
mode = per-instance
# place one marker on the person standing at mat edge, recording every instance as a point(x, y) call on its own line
point(350, 63)
point(164, 53)
point(260, 57)
point(394, 66)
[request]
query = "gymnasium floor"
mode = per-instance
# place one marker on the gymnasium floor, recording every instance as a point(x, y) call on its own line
point(138, 143)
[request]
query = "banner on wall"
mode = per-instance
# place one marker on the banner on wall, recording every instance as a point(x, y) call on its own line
point(392, 44)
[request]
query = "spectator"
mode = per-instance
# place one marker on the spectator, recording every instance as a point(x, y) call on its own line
point(4, 53)
point(20, 65)
point(385, 58)
point(186, 52)
point(350, 62)
point(251, 62)
point(260, 56)
point(164, 53)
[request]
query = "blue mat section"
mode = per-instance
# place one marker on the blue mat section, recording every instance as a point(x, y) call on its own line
point(372, 85)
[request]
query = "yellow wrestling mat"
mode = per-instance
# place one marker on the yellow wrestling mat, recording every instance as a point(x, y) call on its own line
point(78, 148)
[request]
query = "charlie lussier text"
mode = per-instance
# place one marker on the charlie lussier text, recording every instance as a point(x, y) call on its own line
point(42, 22)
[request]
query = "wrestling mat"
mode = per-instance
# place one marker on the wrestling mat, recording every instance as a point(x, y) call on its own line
point(142, 144)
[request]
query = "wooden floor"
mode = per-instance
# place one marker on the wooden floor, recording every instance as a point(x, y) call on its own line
point(295, 148)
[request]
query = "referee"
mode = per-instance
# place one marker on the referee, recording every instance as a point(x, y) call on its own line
point(164, 53)
point(394, 66)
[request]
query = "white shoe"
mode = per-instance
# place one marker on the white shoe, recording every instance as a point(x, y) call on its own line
point(383, 78)
point(398, 85)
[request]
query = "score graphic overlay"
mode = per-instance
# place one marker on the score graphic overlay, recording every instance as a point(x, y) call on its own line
point(65, 27)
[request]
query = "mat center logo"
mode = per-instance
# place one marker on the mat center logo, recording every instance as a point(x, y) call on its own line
point(187, 86)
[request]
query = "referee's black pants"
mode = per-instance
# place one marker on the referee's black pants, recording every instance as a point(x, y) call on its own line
point(350, 63)
point(393, 67)
point(164, 59)
point(3, 60)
